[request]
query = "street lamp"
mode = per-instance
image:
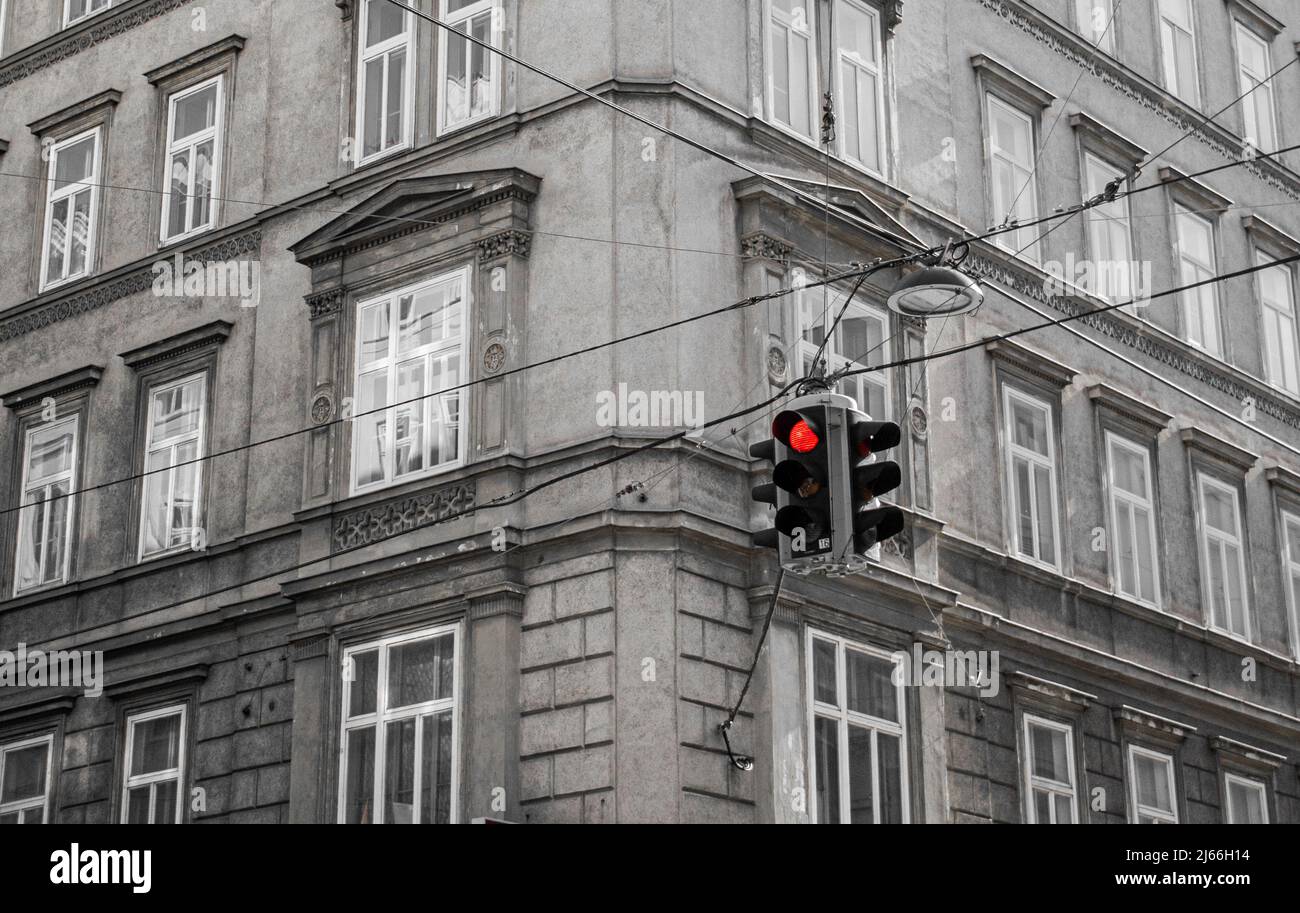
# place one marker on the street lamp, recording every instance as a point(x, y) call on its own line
point(936, 291)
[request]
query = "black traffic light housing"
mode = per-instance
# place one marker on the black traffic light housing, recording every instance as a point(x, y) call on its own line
point(802, 487)
point(869, 478)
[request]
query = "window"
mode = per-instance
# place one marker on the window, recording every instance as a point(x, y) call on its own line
point(1031, 471)
point(153, 785)
point(76, 10)
point(409, 347)
point(1110, 234)
point(1133, 533)
point(792, 66)
point(1291, 567)
point(1223, 556)
point(4, 8)
point(71, 208)
point(1093, 20)
point(385, 79)
point(193, 159)
point(1247, 800)
point(859, 762)
point(1178, 50)
point(1281, 344)
point(400, 730)
point(171, 515)
point(45, 522)
point(861, 90)
point(1196, 261)
point(861, 339)
point(468, 74)
point(25, 781)
point(1011, 174)
point(1151, 786)
point(1049, 772)
point(1255, 66)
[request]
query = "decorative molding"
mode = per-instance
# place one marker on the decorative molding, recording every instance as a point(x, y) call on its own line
point(1267, 235)
point(506, 599)
point(230, 44)
point(1062, 696)
point(1248, 756)
point(777, 364)
point(84, 35)
point(1217, 448)
point(143, 683)
point(761, 246)
point(44, 704)
point(54, 387)
point(106, 290)
point(1281, 477)
point(1105, 139)
point(322, 409)
point(1201, 194)
point(311, 645)
point(345, 9)
point(1129, 407)
point(504, 244)
point(1177, 356)
point(893, 10)
point(1143, 726)
point(381, 521)
point(1030, 361)
point(210, 334)
point(995, 74)
point(494, 356)
point(87, 107)
point(320, 304)
point(1258, 18)
point(1181, 116)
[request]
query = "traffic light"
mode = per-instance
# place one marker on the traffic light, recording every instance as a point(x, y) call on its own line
point(802, 487)
point(869, 478)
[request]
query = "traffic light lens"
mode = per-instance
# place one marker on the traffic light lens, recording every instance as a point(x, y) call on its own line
point(802, 438)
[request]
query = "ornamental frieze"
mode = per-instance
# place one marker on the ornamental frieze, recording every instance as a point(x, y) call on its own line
point(383, 521)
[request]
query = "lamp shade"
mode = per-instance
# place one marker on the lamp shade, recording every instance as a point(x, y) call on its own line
point(936, 291)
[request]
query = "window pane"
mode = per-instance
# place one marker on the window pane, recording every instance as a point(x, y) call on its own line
point(365, 678)
point(80, 237)
point(75, 162)
point(58, 239)
point(1246, 803)
point(1029, 426)
point(889, 753)
point(432, 315)
point(870, 686)
point(1220, 513)
point(1146, 556)
point(373, 110)
point(1024, 507)
point(435, 790)
point(1130, 471)
point(780, 74)
point(826, 745)
point(409, 445)
point(1048, 749)
point(202, 184)
point(1046, 504)
point(24, 773)
point(371, 428)
point(420, 671)
point(195, 113)
point(399, 773)
point(164, 807)
point(861, 808)
point(1153, 783)
point(1042, 807)
point(50, 452)
point(384, 20)
point(852, 136)
point(374, 332)
point(800, 115)
point(394, 131)
point(137, 805)
point(155, 744)
point(359, 795)
point(176, 411)
point(1064, 809)
point(824, 671)
point(178, 201)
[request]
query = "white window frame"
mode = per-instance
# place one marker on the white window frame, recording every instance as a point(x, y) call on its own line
point(405, 40)
point(1024, 179)
point(1203, 481)
point(432, 399)
point(379, 719)
point(837, 359)
point(152, 779)
point(843, 716)
point(4, 8)
point(1279, 329)
point(190, 144)
point(1103, 224)
point(1246, 80)
point(875, 70)
point(67, 12)
point(70, 477)
point(771, 14)
point(496, 17)
point(1014, 452)
point(53, 196)
point(1198, 272)
point(1291, 568)
point(1134, 504)
point(1135, 809)
point(1230, 779)
point(1103, 41)
point(200, 435)
point(1053, 788)
point(23, 806)
point(1193, 97)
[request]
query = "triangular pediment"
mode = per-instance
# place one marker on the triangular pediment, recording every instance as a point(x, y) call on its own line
point(857, 203)
point(412, 204)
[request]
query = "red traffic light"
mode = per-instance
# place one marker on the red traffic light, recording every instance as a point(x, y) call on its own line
point(802, 438)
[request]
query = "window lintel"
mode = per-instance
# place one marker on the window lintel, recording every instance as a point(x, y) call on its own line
point(54, 387)
point(1145, 727)
point(1247, 757)
point(1028, 360)
point(1198, 439)
point(1198, 194)
point(78, 116)
point(164, 683)
point(173, 347)
point(1039, 692)
point(1269, 237)
point(1258, 19)
point(995, 75)
point(1129, 407)
point(183, 67)
point(1097, 136)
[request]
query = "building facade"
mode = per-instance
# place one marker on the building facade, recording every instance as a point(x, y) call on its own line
point(283, 445)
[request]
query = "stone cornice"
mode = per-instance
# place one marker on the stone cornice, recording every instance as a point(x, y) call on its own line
point(1267, 235)
point(1035, 363)
point(99, 291)
point(54, 387)
point(1180, 116)
point(502, 599)
point(87, 107)
point(1200, 194)
point(1143, 725)
point(1281, 477)
point(34, 704)
point(1021, 88)
point(1124, 150)
point(1129, 407)
point(1217, 448)
point(118, 19)
point(1062, 696)
point(134, 685)
point(1258, 18)
point(1247, 756)
point(229, 44)
point(209, 334)
point(762, 246)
